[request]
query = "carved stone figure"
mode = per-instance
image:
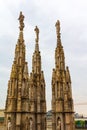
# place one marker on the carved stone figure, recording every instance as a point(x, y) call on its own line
point(31, 124)
point(59, 125)
point(27, 124)
point(21, 21)
point(37, 33)
point(9, 125)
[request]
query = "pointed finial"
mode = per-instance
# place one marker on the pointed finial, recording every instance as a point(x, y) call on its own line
point(57, 27)
point(37, 38)
point(58, 31)
point(37, 33)
point(21, 21)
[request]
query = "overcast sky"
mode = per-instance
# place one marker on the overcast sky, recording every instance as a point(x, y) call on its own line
point(44, 13)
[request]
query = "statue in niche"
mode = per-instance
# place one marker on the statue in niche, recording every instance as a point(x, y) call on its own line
point(31, 124)
point(27, 124)
point(9, 124)
point(58, 124)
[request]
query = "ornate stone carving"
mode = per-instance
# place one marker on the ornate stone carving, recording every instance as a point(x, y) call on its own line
point(37, 33)
point(9, 125)
point(21, 21)
point(31, 124)
point(27, 124)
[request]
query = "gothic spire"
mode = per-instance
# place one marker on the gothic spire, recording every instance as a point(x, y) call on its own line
point(57, 25)
point(37, 89)
point(18, 86)
point(62, 102)
point(37, 39)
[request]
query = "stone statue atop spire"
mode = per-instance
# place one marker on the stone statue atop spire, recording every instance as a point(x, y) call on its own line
point(37, 33)
point(21, 21)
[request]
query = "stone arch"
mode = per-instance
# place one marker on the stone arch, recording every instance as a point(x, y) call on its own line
point(58, 123)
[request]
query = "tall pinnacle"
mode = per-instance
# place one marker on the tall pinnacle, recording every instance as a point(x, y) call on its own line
point(62, 102)
point(17, 103)
point(58, 32)
point(37, 38)
point(21, 21)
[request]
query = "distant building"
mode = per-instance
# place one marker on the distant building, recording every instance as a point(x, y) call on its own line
point(2, 118)
point(78, 115)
